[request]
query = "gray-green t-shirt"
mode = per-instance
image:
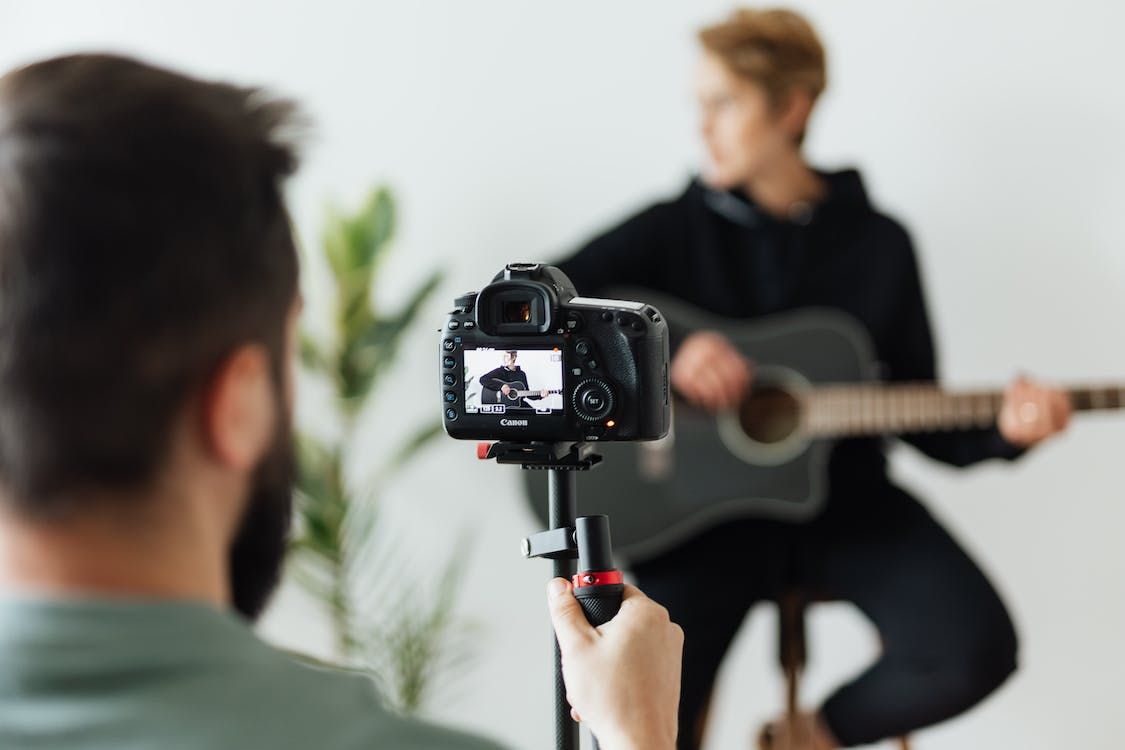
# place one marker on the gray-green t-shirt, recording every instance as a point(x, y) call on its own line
point(88, 674)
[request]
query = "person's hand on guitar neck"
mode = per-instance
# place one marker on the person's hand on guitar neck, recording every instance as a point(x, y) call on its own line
point(1032, 413)
point(709, 372)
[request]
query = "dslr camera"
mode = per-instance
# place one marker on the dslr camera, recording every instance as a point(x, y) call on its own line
point(527, 359)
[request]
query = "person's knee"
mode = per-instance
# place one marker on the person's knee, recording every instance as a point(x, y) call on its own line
point(997, 659)
point(979, 664)
point(985, 671)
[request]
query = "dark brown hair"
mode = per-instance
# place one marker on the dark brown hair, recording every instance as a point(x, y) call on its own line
point(143, 236)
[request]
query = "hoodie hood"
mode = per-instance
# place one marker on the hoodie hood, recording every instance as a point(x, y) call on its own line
point(846, 197)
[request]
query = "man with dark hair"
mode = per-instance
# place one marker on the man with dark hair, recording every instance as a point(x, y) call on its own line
point(148, 301)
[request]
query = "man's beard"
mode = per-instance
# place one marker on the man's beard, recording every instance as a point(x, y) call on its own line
point(258, 551)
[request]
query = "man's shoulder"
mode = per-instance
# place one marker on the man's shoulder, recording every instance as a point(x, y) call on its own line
point(344, 709)
point(96, 675)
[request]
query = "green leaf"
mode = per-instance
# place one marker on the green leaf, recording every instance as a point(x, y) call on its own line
point(418, 298)
point(335, 241)
point(312, 356)
point(406, 450)
point(368, 353)
point(354, 243)
point(372, 228)
point(418, 638)
point(361, 573)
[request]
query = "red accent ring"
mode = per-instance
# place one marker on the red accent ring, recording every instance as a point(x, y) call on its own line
point(483, 450)
point(597, 578)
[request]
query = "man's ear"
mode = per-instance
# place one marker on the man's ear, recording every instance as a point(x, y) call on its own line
point(239, 408)
point(795, 111)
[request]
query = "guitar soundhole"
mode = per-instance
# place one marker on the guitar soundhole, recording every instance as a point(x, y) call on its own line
point(770, 415)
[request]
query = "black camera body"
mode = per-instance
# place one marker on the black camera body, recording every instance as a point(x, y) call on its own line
point(526, 359)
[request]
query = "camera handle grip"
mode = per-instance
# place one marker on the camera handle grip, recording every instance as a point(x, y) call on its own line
point(598, 586)
point(600, 603)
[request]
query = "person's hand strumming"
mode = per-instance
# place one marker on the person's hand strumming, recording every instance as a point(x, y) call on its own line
point(709, 372)
point(622, 678)
point(1032, 413)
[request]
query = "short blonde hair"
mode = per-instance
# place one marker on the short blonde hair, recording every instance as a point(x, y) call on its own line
point(777, 49)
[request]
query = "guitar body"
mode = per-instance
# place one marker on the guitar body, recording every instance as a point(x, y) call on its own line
point(713, 469)
point(489, 396)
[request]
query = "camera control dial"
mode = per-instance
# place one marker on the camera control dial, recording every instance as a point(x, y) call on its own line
point(592, 400)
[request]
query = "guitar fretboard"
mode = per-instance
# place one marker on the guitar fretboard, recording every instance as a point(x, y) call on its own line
point(838, 411)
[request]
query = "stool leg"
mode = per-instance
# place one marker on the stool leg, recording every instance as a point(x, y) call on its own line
point(791, 649)
point(792, 693)
point(793, 653)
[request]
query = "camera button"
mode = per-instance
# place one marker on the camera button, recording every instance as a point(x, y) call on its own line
point(451, 414)
point(449, 345)
point(573, 321)
point(583, 348)
point(470, 325)
point(448, 363)
point(449, 379)
point(607, 316)
point(592, 400)
point(592, 364)
point(454, 325)
point(450, 397)
point(465, 302)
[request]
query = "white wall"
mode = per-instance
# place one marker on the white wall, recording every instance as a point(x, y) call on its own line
point(511, 130)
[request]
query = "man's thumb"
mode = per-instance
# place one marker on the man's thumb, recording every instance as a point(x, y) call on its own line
point(571, 626)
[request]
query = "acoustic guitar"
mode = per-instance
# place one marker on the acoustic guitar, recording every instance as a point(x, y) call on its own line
point(517, 390)
point(815, 382)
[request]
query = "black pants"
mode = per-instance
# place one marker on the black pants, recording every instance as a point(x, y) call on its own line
point(947, 639)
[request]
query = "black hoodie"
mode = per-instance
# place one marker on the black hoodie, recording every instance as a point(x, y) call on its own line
point(721, 253)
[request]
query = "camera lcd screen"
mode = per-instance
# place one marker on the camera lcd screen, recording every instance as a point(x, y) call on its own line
point(513, 381)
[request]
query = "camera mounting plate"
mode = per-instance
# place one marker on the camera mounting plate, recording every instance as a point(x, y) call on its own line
point(566, 456)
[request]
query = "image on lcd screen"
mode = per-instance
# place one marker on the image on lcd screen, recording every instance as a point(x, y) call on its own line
point(519, 381)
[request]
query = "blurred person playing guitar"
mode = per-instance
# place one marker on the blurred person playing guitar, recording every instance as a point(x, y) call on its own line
point(763, 232)
point(509, 380)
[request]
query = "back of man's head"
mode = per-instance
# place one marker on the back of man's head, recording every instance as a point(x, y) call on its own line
point(143, 236)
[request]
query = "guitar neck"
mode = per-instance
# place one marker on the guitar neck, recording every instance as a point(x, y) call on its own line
point(857, 410)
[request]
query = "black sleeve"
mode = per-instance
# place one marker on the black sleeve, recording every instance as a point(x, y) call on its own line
point(493, 379)
point(639, 252)
point(624, 256)
point(910, 356)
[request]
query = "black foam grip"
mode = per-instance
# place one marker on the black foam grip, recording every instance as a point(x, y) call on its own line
point(600, 603)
